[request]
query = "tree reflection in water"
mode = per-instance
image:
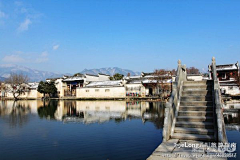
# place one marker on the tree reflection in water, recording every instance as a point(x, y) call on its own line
point(48, 109)
point(155, 114)
point(17, 113)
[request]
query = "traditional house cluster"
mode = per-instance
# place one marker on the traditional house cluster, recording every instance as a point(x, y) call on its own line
point(227, 75)
point(87, 86)
point(148, 85)
point(68, 86)
point(101, 87)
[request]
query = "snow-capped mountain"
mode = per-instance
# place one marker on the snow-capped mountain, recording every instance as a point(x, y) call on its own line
point(33, 74)
point(110, 71)
point(37, 75)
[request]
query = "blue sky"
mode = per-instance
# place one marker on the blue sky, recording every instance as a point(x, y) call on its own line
point(68, 36)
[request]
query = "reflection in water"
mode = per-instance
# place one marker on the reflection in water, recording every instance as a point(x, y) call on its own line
point(16, 113)
point(232, 119)
point(47, 110)
point(232, 122)
point(83, 111)
point(102, 111)
point(126, 135)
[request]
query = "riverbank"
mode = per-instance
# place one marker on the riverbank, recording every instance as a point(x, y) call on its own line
point(154, 99)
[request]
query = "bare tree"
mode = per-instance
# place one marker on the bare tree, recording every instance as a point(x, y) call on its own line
point(16, 84)
point(192, 70)
point(160, 75)
point(173, 72)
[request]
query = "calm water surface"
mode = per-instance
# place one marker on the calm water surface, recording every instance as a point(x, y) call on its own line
point(88, 129)
point(80, 129)
point(232, 123)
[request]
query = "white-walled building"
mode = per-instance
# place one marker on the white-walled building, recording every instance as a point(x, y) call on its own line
point(30, 92)
point(67, 86)
point(147, 84)
point(226, 74)
point(102, 89)
point(99, 86)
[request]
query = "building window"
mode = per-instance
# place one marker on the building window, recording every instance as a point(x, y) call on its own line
point(107, 90)
point(96, 90)
point(87, 90)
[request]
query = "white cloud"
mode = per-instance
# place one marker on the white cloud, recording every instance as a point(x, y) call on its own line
point(18, 52)
point(2, 15)
point(44, 54)
point(24, 10)
point(18, 3)
point(43, 57)
point(22, 57)
point(13, 59)
point(24, 25)
point(31, 16)
point(55, 47)
point(2, 23)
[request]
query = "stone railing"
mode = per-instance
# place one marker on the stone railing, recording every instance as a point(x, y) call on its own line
point(221, 131)
point(173, 105)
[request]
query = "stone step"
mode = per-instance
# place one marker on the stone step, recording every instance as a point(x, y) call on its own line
point(196, 87)
point(209, 82)
point(183, 136)
point(196, 108)
point(196, 103)
point(197, 92)
point(195, 113)
point(194, 119)
point(196, 98)
point(202, 131)
point(207, 125)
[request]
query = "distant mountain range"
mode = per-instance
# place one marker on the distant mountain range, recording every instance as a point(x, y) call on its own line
point(2, 79)
point(37, 75)
point(33, 74)
point(110, 71)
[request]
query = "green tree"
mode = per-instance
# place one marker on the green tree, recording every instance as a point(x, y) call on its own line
point(47, 88)
point(117, 76)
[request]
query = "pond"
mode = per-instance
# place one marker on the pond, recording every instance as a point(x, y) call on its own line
point(80, 129)
point(232, 122)
point(89, 130)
